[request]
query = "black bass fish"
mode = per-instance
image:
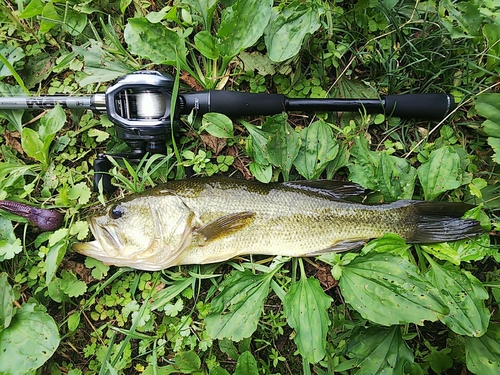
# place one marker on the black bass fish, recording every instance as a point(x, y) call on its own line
point(207, 220)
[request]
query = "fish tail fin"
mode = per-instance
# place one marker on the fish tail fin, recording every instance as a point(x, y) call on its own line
point(442, 222)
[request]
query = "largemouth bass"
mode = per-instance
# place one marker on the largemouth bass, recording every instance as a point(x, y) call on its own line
point(207, 220)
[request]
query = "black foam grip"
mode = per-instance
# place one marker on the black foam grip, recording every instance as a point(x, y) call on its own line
point(239, 104)
point(424, 106)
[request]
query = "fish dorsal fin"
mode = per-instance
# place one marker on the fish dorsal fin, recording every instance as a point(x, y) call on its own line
point(331, 188)
point(224, 226)
point(338, 247)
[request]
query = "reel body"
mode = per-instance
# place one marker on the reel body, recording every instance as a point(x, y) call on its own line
point(139, 105)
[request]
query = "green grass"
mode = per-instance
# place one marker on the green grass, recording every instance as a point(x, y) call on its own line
point(196, 320)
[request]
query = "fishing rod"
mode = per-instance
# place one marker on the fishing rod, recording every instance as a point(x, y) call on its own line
point(139, 105)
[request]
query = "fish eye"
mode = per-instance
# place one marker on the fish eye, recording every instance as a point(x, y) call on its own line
point(116, 212)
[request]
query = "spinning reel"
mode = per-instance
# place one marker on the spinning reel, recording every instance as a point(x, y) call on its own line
point(139, 105)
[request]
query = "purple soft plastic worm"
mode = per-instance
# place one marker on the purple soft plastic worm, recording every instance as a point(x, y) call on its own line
point(43, 218)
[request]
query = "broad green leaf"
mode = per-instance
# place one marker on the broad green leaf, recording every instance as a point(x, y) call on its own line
point(466, 250)
point(53, 259)
point(364, 166)
point(11, 174)
point(387, 290)
point(29, 341)
point(155, 42)
point(75, 22)
point(256, 61)
point(495, 145)
point(73, 321)
point(218, 125)
point(14, 116)
point(257, 142)
point(395, 177)
point(206, 44)
point(440, 173)
point(317, 149)
point(36, 144)
point(246, 365)
point(50, 18)
point(51, 123)
point(487, 105)
point(389, 243)
point(218, 371)
point(6, 302)
point(12, 54)
point(202, 10)
point(262, 173)
point(492, 35)
point(464, 295)
point(284, 144)
point(287, 29)
point(242, 25)
point(305, 306)
point(235, 312)
point(379, 350)
point(33, 9)
point(187, 362)
point(482, 354)
point(100, 66)
point(33, 145)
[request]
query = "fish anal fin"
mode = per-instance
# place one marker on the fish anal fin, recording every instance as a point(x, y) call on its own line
point(223, 226)
point(338, 247)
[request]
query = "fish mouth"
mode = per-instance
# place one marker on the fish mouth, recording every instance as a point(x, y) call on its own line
point(106, 245)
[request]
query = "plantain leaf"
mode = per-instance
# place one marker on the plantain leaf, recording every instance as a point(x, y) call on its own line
point(440, 173)
point(246, 365)
point(488, 106)
point(6, 302)
point(218, 125)
point(242, 25)
point(482, 354)
point(155, 42)
point(187, 362)
point(288, 28)
point(389, 243)
point(387, 290)
point(464, 295)
point(395, 177)
point(379, 350)
point(100, 65)
point(317, 149)
point(28, 342)
point(283, 146)
point(461, 251)
point(305, 306)
point(235, 312)
point(202, 10)
point(206, 43)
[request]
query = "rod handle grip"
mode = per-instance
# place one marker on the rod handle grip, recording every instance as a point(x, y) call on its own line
point(422, 106)
point(239, 104)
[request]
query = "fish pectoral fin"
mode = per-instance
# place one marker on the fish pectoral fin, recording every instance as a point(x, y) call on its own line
point(339, 247)
point(223, 226)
